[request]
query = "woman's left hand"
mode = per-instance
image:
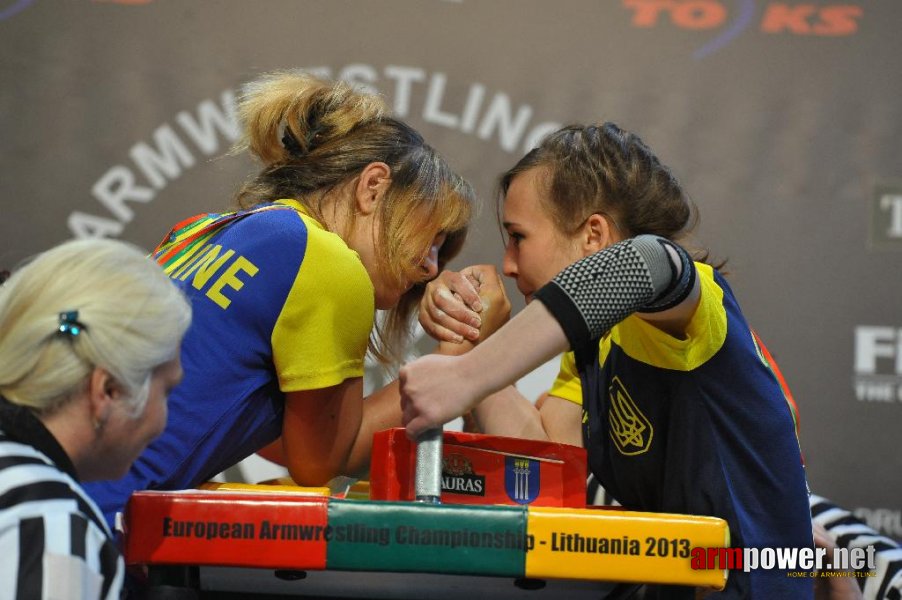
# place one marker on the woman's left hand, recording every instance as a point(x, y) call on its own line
point(464, 305)
point(433, 392)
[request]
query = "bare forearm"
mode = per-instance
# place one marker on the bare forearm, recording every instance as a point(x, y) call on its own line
point(438, 389)
point(274, 452)
point(381, 410)
point(530, 339)
point(510, 414)
point(319, 429)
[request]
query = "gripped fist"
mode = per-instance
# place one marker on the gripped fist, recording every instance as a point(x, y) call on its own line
point(433, 392)
point(464, 305)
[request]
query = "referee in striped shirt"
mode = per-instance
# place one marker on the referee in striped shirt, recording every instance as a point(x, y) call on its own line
point(89, 339)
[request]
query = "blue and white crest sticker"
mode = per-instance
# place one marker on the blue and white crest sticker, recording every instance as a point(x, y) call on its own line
point(521, 479)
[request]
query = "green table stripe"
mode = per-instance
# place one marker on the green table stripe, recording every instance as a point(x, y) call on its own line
point(405, 536)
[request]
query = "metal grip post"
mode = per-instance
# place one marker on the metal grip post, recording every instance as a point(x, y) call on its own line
point(428, 478)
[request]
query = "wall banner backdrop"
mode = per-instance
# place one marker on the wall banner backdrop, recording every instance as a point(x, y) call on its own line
point(782, 119)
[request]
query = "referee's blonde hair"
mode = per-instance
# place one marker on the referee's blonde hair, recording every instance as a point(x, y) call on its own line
point(133, 321)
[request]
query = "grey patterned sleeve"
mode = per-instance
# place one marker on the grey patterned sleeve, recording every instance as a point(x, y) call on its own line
point(595, 293)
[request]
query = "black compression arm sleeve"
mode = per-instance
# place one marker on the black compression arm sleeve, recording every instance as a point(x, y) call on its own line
point(595, 293)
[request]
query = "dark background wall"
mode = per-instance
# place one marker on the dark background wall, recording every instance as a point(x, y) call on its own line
point(782, 119)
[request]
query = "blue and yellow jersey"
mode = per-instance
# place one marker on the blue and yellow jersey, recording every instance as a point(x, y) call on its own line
point(279, 305)
point(698, 426)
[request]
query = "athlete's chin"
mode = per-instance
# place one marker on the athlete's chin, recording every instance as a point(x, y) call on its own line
point(387, 300)
point(387, 303)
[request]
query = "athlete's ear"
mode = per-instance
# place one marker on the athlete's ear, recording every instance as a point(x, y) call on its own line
point(597, 234)
point(371, 186)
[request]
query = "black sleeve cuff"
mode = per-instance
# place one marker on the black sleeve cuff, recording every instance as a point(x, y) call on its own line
point(568, 316)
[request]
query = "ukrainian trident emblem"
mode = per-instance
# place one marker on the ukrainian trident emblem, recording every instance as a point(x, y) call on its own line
point(631, 430)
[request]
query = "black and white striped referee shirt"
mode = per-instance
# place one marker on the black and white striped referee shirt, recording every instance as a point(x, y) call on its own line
point(851, 532)
point(54, 542)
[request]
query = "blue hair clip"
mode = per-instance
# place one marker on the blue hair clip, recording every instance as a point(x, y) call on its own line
point(69, 323)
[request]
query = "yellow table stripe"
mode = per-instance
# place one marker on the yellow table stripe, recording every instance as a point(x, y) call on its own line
point(268, 487)
point(621, 546)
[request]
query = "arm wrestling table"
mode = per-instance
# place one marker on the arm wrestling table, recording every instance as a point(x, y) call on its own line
point(529, 543)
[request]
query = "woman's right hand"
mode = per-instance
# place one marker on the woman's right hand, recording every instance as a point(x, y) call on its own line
point(496, 308)
point(464, 305)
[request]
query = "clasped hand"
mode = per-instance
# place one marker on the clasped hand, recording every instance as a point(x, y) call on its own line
point(458, 308)
point(470, 304)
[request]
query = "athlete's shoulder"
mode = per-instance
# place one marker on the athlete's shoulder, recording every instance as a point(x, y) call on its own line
point(704, 335)
point(286, 224)
point(333, 301)
point(271, 224)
